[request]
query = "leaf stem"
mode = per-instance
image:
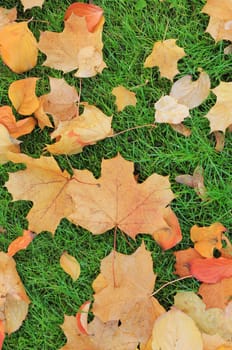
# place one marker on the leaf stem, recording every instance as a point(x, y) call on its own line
point(171, 282)
point(133, 128)
point(113, 261)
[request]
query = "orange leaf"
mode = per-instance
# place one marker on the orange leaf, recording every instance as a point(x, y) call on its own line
point(124, 97)
point(70, 265)
point(20, 243)
point(217, 294)
point(23, 97)
point(82, 317)
point(17, 38)
point(92, 13)
point(2, 333)
point(183, 260)
point(7, 144)
point(211, 270)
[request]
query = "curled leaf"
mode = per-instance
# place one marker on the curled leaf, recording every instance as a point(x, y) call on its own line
point(20, 243)
point(70, 265)
point(82, 317)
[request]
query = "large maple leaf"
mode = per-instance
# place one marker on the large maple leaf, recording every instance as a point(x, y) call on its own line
point(74, 48)
point(117, 200)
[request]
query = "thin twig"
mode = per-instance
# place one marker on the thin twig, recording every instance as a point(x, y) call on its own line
point(133, 128)
point(171, 282)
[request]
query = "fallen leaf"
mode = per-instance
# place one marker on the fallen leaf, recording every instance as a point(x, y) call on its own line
point(222, 9)
point(217, 294)
point(14, 300)
point(210, 321)
point(43, 183)
point(41, 116)
point(165, 55)
point(60, 103)
point(183, 260)
point(92, 13)
point(28, 4)
point(88, 128)
point(20, 243)
point(215, 342)
point(220, 141)
point(124, 97)
point(168, 110)
point(70, 265)
point(15, 128)
point(174, 330)
point(7, 16)
point(228, 49)
point(104, 204)
point(207, 238)
point(82, 318)
point(181, 129)
point(2, 333)
point(211, 270)
point(191, 93)
point(23, 97)
point(7, 144)
point(16, 37)
point(74, 48)
point(220, 115)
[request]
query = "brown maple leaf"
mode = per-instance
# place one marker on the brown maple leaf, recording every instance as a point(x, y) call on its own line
point(165, 55)
point(74, 48)
point(14, 300)
point(117, 200)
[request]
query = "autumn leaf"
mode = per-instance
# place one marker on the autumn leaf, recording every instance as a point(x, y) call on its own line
point(220, 115)
point(124, 97)
point(104, 204)
point(74, 48)
point(174, 330)
point(82, 318)
point(15, 128)
point(60, 103)
point(23, 97)
point(70, 265)
point(6, 17)
point(211, 270)
point(16, 37)
point(92, 13)
point(191, 93)
point(165, 55)
point(7, 144)
point(20, 243)
point(206, 239)
point(88, 128)
point(14, 300)
point(28, 4)
point(183, 260)
point(168, 110)
point(43, 183)
point(216, 294)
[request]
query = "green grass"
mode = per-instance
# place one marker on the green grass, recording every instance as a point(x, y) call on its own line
point(128, 38)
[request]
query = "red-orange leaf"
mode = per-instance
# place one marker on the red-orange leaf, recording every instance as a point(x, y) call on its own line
point(92, 13)
point(20, 243)
point(82, 317)
point(2, 333)
point(211, 270)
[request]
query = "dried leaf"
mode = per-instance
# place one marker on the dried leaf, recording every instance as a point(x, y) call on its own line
point(7, 144)
point(16, 37)
point(70, 265)
point(7, 16)
point(88, 128)
point(74, 48)
point(92, 13)
point(23, 97)
point(20, 243)
point(181, 129)
point(191, 93)
point(220, 141)
point(207, 238)
point(174, 330)
point(217, 294)
point(124, 97)
point(28, 4)
point(183, 260)
point(15, 128)
point(211, 270)
point(82, 317)
point(14, 300)
point(220, 115)
point(165, 55)
point(168, 110)
point(104, 204)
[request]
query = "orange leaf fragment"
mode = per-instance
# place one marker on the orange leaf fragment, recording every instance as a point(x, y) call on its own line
point(92, 13)
point(104, 204)
point(165, 55)
point(124, 97)
point(7, 16)
point(20, 243)
point(15, 128)
point(28, 4)
point(207, 238)
point(17, 38)
point(7, 144)
point(74, 48)
point(70, 265)
point(217, 294)
point(211, 270)
point(23, 97)
point(2, 333)
point(14, 300)
point(82, 317)
point(183, 260)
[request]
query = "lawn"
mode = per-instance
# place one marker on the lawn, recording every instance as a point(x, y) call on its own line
point(129, 35)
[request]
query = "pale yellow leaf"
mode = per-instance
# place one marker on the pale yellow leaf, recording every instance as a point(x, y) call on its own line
point(70, 265)
point(168, 110)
